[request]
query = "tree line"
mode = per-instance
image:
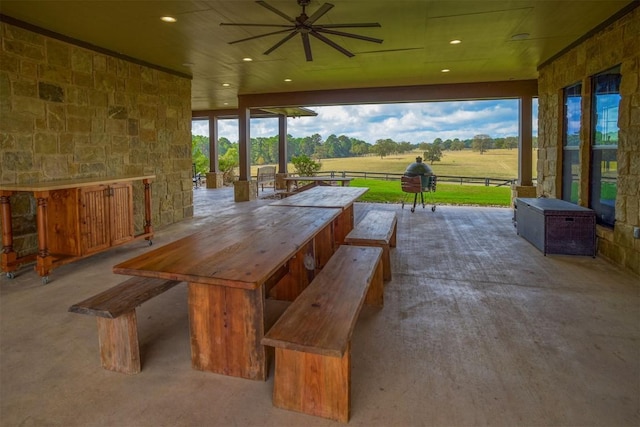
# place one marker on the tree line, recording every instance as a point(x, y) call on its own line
point(264, 150)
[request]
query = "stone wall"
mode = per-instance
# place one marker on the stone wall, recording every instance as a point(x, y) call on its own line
point(617, 44)
point(68, 112)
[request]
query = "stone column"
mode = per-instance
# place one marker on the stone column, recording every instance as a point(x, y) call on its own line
point(282, 153)
point(215, 180)
point(214, 176)
point(244, 189)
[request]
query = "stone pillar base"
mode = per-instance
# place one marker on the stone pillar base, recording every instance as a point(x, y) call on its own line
point(243, 191)
point(522, 191)
point(215, 180)
point(280, 182)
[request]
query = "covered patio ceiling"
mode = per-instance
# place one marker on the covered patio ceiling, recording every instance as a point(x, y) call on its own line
point(499, 40)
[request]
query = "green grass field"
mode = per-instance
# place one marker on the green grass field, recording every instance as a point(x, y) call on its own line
point(445, 194)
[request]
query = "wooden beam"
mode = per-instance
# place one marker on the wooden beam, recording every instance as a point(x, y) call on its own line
point(444, 92)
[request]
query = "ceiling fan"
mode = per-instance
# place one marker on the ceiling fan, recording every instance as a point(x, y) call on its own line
point(306, 26)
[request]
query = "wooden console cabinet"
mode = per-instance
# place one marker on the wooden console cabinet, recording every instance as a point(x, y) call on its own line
point(75, 219)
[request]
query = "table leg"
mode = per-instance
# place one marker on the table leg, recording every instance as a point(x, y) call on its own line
point(226, 327)
point(301, 272)
point(9, 256)
point(343, 224)
point(325, 245)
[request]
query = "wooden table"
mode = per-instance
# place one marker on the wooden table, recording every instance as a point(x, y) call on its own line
point(317, 181)
point(329, 197)
point(230, 268)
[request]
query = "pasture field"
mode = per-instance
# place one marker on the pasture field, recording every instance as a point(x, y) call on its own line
point(501, 163)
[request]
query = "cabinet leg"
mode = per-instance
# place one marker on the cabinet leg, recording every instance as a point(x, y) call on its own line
point(44, 261)
point(8, 256)
point(148, 228)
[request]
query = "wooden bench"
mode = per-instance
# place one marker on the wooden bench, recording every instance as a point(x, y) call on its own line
point(266, 175)
point(377, 228)
point(115, 310)
point(312, 338)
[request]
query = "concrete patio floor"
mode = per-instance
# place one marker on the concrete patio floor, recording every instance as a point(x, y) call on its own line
point(478, 328)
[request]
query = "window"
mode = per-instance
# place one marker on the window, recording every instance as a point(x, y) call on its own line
point(571, 143)
point(604, 145)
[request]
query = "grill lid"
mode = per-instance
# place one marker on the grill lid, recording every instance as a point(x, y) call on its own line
point(418, 168)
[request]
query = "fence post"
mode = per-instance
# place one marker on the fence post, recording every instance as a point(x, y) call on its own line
point(486, 182)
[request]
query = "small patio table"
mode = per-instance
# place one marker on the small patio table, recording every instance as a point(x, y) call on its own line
point(317, 180)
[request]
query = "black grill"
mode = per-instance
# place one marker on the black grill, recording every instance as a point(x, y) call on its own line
point(418, 178)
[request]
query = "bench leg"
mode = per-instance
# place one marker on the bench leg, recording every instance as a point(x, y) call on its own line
point(118, 338)
point(386, 263)
point(392, 241)
point(313, 384)
point(375, 294)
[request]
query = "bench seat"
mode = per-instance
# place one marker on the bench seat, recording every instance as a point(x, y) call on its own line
point(115, 310)
point(312, 338)
point(377, 228)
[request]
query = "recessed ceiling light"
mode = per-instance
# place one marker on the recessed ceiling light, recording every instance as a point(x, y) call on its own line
point(168, 19)
point(288, 80)
point(226, 84)
point(226, 103)
point(456, 41)
point(521, 36)
point(445, 70)
point(247, 59)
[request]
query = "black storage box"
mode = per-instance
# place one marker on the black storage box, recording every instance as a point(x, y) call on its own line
point(556, 227)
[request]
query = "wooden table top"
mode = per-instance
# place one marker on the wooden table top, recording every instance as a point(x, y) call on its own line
point(241, 251)
point(72, 183)
point(324, 197)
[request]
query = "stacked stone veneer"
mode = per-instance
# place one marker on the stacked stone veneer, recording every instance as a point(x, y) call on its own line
point(68, 112)
point(617, 44)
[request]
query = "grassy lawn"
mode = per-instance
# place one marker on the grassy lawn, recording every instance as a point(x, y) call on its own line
point(446, 194)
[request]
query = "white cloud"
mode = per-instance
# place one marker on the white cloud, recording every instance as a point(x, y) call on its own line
point(415, 123)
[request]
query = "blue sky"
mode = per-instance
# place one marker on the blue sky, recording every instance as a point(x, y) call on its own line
point(411, 122)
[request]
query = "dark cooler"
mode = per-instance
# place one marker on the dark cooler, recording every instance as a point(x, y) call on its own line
point(555, 226)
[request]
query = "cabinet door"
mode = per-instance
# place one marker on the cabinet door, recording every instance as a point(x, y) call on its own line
point(63, 230)
point(121, 211)
point(94, 218)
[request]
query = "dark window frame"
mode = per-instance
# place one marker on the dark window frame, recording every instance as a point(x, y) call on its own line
point(603, 144)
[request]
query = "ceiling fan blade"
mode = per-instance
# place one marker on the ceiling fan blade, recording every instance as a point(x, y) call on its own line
point(353, 36)
point(362, 25)
point(332, 44)
point(259, 36)
point(225, 24)
point(402, 49)
point(280, 43)
point(318, 13)
point(307, 46)
point(276, 11)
